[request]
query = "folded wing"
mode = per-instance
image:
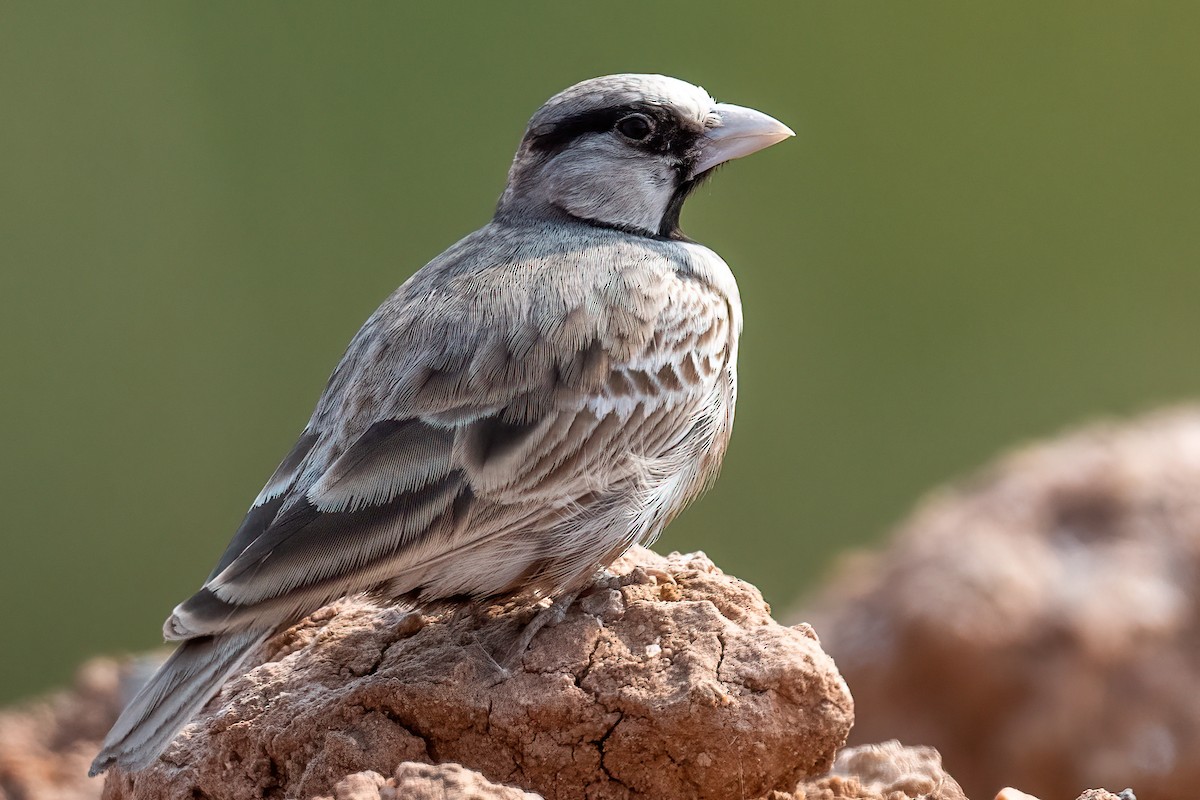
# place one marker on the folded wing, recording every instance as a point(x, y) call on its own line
point(467, 436)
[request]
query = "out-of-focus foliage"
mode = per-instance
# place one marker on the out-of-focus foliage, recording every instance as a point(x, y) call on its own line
point(986, 229)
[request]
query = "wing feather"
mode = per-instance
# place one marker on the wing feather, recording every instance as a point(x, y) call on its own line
point(268, 503)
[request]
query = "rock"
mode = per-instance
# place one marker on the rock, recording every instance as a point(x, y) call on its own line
point(414, 781)
point(46, 746)
point(1009, 793)
point(887, 771)
point(1038, 623)
point(1104, 794)
point(359, 786)
point(647, 688)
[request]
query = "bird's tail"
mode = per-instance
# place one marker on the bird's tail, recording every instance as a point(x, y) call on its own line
point(182, 685)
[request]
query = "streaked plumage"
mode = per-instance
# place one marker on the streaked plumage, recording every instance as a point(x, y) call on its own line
point(550, 390)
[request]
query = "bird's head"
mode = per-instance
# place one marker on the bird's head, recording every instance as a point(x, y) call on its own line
point(624, 151)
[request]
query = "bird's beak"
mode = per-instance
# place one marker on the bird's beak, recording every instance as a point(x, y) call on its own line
point(739, 132)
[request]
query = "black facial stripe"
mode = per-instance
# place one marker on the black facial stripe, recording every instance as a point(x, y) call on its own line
point(563, 132)
point(671, 134)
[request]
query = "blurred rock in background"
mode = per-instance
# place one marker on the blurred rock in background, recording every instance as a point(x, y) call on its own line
point(46, 746)
point(887, 771)
point(1038, 623)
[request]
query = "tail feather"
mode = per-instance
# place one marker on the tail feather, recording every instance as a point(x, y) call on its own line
point(182, 685)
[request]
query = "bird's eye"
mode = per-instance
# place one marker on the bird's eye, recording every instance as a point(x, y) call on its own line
point(635, 127)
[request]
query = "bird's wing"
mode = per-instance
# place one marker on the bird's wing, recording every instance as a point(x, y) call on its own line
point(524, 387)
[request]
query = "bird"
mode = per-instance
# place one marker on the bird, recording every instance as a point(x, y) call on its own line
point(552, 389)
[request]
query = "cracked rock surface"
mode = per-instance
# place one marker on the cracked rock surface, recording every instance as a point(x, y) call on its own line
point(672, 682)
point(1039, 623)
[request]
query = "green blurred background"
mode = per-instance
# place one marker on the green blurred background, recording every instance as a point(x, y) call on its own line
point(986, 230)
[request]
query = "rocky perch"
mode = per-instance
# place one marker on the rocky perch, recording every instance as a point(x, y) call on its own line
point(675, 682)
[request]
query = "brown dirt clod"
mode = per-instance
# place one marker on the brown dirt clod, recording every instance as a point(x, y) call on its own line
point(698, 693)
point(887, 771)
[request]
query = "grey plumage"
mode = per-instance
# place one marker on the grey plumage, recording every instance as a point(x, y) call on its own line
point(550, 390)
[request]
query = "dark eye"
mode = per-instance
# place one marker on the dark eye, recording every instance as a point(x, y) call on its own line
point(635, 127)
